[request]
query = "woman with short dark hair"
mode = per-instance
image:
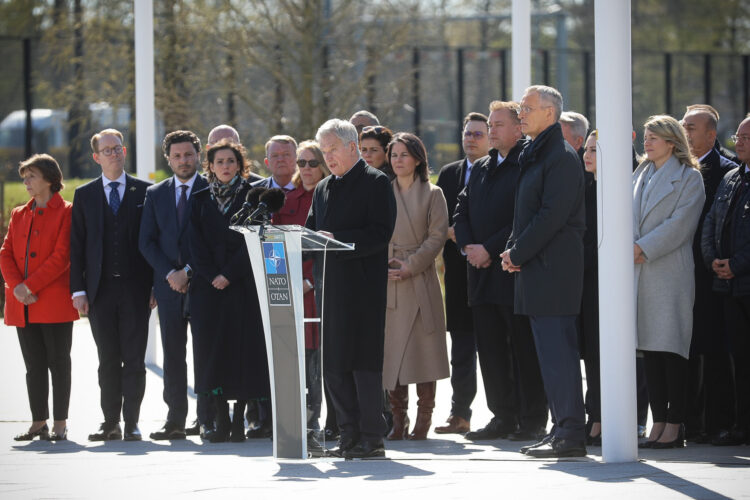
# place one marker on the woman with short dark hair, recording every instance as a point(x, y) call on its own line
point(373, 143)
point(35, 262)
point(229, 349)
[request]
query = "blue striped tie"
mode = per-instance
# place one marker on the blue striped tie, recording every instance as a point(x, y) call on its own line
point(114, 197)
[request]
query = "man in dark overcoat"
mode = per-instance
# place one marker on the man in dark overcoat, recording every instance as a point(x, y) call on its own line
point(484, 217)
point(354, 205)
point(452, 179)
point(726, 250)
point(709, 365)
point(111, 282)
point(545, 249)
point(163, 241)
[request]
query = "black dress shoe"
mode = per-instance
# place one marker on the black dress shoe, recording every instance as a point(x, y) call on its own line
point(207, 430)
point(42, 433)
point(314, 448)
point(331, 434)
point(528, 434)
point(559, 448)
point(132, 432)
point(264, 431)
point(194, 429)
point(366, 449)
point(171, 430)
point(496, 429)
point(678, 442)
point(594, 440)
point(108, 431)
point(346, 442)
point(728, 438)
point(546, 439)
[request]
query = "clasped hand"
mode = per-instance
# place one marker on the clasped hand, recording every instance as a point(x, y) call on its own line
point(477, 256)
point(24, 295)
point(508, 265)
point(722, 269)
point(398, 273)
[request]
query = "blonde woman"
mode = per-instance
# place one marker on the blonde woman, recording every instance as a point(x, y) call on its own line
point(668, 196)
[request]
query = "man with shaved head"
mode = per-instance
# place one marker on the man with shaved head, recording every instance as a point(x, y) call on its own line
point(224, 131)
point(709, 372)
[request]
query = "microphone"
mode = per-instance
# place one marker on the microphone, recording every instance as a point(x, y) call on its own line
point(269, 202)
point(251, 201)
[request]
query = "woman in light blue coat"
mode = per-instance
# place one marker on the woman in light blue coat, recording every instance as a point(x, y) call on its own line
point(668, 196)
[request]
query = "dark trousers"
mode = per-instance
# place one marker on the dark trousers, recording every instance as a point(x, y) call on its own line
point(510, 368)
point(46, 348)
point(556, 339)
point(119, 323)
point(463, 373)
point(737, 314)
point(710, 393)
point(173, 326)
point(357, 397)
point(641, 391)
point(314, 387)
point(666, 376)
point(206, 409)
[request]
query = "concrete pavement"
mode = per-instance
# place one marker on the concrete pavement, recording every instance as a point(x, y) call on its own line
point(441, 467)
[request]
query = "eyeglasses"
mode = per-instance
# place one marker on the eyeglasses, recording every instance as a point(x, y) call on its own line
point(307, 163)
point(476, 135)
point(527, 109)
point(108, 151)
point(374, 128)
point(740, 138)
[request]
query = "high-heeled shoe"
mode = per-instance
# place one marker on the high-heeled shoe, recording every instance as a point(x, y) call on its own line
point(42, 432)
point(53, 436)
point(678, 442)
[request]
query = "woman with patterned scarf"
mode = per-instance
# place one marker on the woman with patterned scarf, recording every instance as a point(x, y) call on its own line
point(228, 346)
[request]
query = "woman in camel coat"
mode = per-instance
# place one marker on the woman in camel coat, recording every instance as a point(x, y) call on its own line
point(415, 348)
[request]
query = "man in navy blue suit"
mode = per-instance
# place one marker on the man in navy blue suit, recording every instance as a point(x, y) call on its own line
point(163, 242)
point(111, 282)
point(281, 161)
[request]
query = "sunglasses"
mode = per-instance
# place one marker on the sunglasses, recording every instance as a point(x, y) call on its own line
point(376, 128)
point(310, 163)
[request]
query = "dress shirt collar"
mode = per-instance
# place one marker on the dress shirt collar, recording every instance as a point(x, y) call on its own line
point(121, 180)
point(289, 187)
point(189, 183)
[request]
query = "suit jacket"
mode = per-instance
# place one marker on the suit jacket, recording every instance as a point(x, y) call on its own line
point(457, 310)
point(484, 215)
point(548, 225)
point(86, 246)
point(36, 251)
point(359, 208)
point(163, 242)
point(665, 216)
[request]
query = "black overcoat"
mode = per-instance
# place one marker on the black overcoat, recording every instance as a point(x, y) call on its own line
point(484, 215)
point(548, 226)
point(229, 348)
point(457, 311)
point(357, 208)
point(708, 320)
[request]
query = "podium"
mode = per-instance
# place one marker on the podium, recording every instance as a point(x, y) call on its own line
point(276, 259)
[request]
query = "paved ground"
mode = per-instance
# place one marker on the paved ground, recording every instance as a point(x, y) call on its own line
point(442, 467)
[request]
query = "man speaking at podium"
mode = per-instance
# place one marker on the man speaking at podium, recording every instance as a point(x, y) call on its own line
point(354, 205)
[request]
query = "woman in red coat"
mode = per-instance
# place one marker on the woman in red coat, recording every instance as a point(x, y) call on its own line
point(312, 168)
point(35, 262)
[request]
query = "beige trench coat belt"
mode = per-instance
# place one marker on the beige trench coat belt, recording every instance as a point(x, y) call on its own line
point(422, 298)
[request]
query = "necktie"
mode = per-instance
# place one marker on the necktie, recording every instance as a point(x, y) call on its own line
point(114, 197)
point(182, 205)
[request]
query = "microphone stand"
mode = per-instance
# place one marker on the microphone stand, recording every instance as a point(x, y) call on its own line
point(266, 219)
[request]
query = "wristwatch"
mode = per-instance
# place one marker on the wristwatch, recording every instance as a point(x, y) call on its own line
point(188, 271)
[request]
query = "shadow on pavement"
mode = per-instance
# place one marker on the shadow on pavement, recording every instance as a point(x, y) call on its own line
point(629, 472)
point(371, 470)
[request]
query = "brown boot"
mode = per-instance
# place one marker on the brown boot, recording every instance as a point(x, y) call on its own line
point(425, 404)
point(399, 399)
